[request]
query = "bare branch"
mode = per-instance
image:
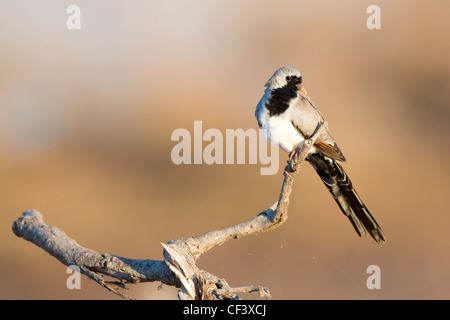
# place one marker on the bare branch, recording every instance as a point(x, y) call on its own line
point(230, 292)
point(267, 220)
point(31, 227)
point(179, 268)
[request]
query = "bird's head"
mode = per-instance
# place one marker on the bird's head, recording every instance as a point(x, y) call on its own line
point(287, 78)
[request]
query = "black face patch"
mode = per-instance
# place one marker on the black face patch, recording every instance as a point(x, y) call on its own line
point(279, 99)
point(296, 80)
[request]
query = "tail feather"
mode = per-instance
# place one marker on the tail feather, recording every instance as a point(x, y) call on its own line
point(340, 186)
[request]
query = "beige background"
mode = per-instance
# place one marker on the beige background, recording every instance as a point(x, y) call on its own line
point(86, 118)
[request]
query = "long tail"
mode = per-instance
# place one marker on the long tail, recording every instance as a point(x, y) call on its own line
point(340, 186)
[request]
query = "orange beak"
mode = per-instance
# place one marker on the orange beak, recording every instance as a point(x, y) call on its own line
point(301, 89)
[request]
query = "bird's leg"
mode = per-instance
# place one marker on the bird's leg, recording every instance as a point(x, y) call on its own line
point(292, 154)
point(301, 153)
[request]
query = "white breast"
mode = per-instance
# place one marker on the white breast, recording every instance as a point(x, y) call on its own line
point(278, 129)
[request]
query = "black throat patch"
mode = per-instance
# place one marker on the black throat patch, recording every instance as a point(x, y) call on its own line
point(280, 98)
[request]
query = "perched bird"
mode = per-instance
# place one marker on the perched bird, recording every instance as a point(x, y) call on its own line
point(289, 116)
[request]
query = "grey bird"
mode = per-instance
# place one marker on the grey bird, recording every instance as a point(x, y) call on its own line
point(289, 116)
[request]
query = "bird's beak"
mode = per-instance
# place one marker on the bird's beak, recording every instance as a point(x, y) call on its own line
point(299, 86)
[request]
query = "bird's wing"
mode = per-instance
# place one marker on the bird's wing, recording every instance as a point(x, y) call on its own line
point(306, 118)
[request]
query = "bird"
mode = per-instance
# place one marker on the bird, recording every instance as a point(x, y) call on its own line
point(289, 117)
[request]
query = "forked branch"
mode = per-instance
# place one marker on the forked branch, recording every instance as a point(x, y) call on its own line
point(179, 267)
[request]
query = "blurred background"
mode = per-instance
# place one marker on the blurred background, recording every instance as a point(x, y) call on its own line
point(86, 118)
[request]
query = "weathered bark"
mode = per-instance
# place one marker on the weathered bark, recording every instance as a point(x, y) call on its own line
point(179, 267)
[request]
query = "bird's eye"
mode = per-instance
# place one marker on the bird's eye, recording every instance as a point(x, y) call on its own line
point(288, 78)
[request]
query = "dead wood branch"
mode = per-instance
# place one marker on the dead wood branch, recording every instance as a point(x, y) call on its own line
point(179, 267)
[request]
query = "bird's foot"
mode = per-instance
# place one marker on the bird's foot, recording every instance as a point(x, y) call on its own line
point(293, 153)
point(287, 170)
